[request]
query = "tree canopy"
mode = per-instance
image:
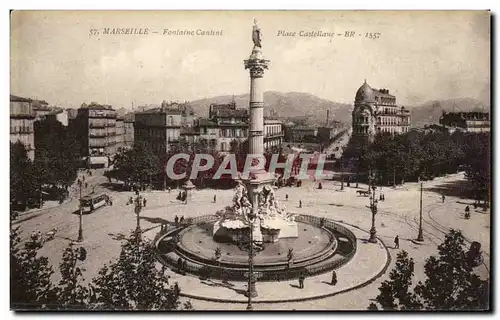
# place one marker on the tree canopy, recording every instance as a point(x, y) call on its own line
point(450, 283)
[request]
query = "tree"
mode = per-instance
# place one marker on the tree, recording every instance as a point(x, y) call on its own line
point(30, 285)
point(450, 285)
point(25, 179)
point(136, 166)
point(135, 282)
point(477, 154)
point(71, 293)
point(395, 291)
point(57, 154)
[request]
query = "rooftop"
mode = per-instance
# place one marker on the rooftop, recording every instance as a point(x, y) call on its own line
point(14, 98)
point(202, 122)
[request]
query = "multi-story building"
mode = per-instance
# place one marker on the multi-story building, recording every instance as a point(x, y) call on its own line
point(120, 133)
point(95, 127)
point(326, 133)
point(273, 133)
point(22, 118)
point(128, 128)
point(304, 133)
point(41, 109)
point(209, 131)
point(375, 111)
point(232, 124)
point(158, 128)
point(466, 121)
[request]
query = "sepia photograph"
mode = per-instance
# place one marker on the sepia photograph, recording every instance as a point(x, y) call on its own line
point(240, 160)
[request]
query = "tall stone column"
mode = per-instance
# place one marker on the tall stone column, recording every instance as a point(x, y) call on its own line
point(257, 65)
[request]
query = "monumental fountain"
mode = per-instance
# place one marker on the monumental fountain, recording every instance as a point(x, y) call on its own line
point(287, 244)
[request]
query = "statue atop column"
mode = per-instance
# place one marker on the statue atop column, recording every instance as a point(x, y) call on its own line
point(256, 35)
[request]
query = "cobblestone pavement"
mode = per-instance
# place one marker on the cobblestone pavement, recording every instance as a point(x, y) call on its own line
point(398, 215)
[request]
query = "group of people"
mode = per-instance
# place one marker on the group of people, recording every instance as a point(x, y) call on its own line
point(382, 197)
point(178, 221)
point(182, 196)
point(302, 278)
point(140, 200)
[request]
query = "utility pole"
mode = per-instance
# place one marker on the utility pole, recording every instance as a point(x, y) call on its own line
point(80, 228)
point(394, 176)
point(420, 232)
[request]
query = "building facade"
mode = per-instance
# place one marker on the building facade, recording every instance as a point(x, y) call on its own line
point(22, 119)
point(376, 112)
point(466, 121)
point(128, 128)
point(41, 109)
point(120, 133)
point(304, 133)
point(158, 128)
point(273, 133)
point(95, 127)
point(231, 122)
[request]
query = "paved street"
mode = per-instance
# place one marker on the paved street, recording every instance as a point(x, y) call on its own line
point(398, 215)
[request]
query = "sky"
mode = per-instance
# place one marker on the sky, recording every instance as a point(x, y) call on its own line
point(418, 56)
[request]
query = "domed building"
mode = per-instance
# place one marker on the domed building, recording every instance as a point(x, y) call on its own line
point(375, 112)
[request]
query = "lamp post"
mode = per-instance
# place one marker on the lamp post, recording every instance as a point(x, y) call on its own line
point(137, 209)
point(420, 237)
point(80, 227)
point(373, 208)
point(251, 291)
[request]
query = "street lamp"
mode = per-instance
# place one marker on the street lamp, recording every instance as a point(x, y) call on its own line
point(373, 208)
point(137, 210)
point(420, 237)
point(80, 228)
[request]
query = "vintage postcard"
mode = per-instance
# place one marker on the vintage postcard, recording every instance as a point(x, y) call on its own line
point(250, 160)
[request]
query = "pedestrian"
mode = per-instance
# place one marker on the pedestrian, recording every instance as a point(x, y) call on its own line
point(286, 197)
point(179, 264)
point(301, 281)
point(334, 278)
point(442, 198)
point(383, 196)
point(215, 198)
point(396, 242)
point(169, 189)
point(300, 203)
point(181, 221)
point(176, 220)
point(179, 196)
point(467, 209)
point(320, 186)
point(86, 185)
point(144, 202)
